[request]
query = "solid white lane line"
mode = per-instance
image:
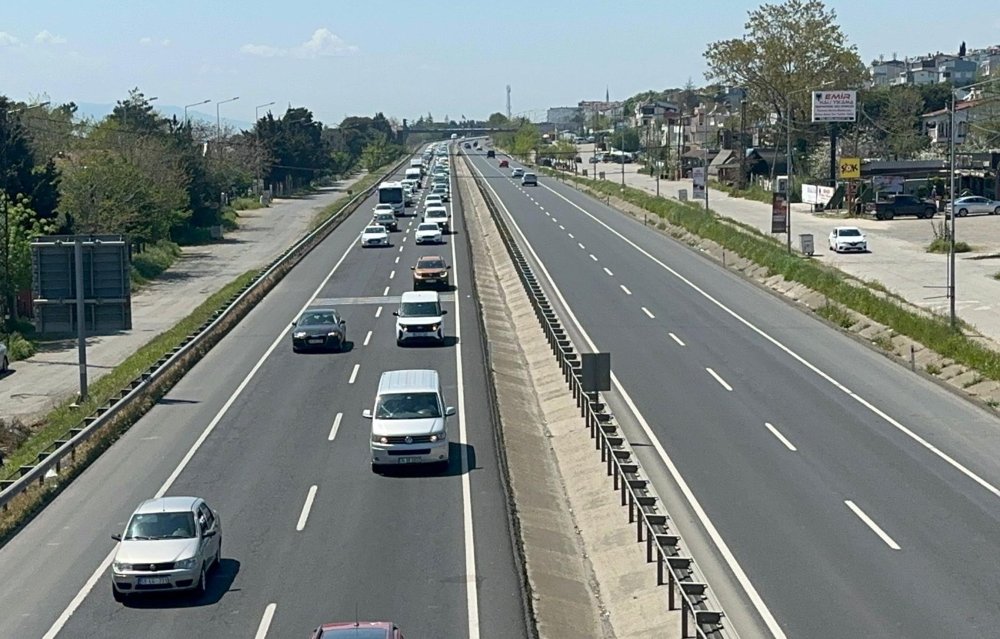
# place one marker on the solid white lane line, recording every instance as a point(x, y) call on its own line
point(582, 247)
point(781, 438)
point(385, 292)
point(471, 578)
point(676, 339)
point(335, 427)
point(625, 288)
point(948, 459)
point(378, 311)
point(889, 541)
point(368, 338)
point(392, 274)
point(608, 271)
point(675, 473)
point(593, 257)
point(354, 373)
point(306, 507)
point(719, 379)
point(98, 574)
point(265, 621)
point(649, 314)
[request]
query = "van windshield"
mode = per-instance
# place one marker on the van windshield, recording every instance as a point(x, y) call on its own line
point(419, 309)
point(407, 406)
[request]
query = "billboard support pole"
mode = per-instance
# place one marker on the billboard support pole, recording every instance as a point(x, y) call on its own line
point(81, 320)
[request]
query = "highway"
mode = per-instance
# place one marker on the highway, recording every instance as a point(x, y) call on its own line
point(276, 443)
point(824, 490)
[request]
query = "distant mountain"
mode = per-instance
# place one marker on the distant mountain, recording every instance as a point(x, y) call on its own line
point(99, 111)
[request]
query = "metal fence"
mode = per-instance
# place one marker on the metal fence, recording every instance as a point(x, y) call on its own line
point(51, 460)
point(700, 613)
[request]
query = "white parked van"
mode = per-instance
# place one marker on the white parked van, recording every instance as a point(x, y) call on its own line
point(409, 420)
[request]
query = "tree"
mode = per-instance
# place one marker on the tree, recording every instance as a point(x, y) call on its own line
point(18, 226)
point(625, 140)
point(793, 46)
point(497, 119)
point(961, 50)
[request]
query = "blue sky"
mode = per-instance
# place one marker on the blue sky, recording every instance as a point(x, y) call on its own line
point(410, 58)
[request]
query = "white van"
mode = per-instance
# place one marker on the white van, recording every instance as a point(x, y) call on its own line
point(420, 317)
point(414, 174)
point(409, 420)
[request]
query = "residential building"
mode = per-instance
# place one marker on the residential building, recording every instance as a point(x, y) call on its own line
point(883, 72)
point(655, 112)
point(917, 76)
point(937, 124)
point(562, 115)
point(606, 108)
point(959, 72)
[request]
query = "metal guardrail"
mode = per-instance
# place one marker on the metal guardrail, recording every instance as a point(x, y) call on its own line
point(50, 461)
point(686, 590)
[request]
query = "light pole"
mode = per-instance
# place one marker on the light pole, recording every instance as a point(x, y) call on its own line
point(256, 139)
point(187, 106)
point(788, 159)
point(218, 118)
point(952, 314)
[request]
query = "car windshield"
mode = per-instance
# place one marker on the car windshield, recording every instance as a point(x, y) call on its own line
point(374, 229)
point(850, 232)
point(407, 406)
point(430, 264)
point(419, 309)
point(316, 318)
point(354, 633)
point(529, 175)
point(429, 226)
point(161, 526)
point(437, 213)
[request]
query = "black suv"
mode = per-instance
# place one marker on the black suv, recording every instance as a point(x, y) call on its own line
point(903, 205)
point(491, 153)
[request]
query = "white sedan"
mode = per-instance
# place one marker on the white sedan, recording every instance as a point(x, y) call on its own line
point(428, 233)
point(848, 238)
point(375, 235)
point(976, 204)
point(433, 200)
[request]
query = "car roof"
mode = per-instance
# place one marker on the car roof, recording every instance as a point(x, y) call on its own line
point(168, 504)
point(411, 380)
point(428, 258)
point(374, 228)
point(320, 309)
point(420, 296)
point(386, 626)
point(846, 228)
point(428, 225)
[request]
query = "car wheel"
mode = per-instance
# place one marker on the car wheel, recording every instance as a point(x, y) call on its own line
point(996, 211)
point(119, 596)
point(889, 215)
point(963, 212)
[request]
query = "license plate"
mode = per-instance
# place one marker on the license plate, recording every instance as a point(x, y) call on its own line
point(409, 460)
point(430, 280)
point(153, 581)
point(315, 340)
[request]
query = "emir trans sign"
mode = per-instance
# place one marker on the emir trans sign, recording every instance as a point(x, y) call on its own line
point(834, 106)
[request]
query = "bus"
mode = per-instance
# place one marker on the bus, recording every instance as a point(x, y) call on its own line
point(392, 193)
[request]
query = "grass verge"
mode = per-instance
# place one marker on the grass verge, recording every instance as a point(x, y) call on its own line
point(334, 207)
point(932, 332)
point(942, 245)
point(753, 192)
point(153, 261)
point(64, 417)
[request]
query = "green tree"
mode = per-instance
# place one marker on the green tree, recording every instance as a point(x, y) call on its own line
point(18, 226)
point(796, 45)
point(497, 119)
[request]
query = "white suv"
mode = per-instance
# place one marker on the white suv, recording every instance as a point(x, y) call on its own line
point(439, 215)
point(420, 317)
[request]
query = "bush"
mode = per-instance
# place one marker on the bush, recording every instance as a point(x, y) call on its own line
point(153, 261)
point(18, 347)
point(230, 219)
point(246, 204)
point(752, 192)
point(943, 245)
point(192, 235)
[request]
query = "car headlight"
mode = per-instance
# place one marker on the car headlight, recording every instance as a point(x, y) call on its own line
point(121, 566)
point(380, 439)
point(299, 334)
point(439, 437)
point(333, 334)
point(435, 327)
point(185, 564)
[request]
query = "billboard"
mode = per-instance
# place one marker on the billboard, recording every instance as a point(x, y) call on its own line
point(107, 287)
point(813, 194)
point(779, 213)
point(834, 106)
point(698, 180)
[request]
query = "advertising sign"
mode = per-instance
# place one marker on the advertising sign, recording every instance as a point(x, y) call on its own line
point(834, 106)
point(698, 178)
point(849, 168)
point(779, 213)
point(813, 194)
point(888, 183)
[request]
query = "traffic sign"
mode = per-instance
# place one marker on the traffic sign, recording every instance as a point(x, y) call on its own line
point(850, 168)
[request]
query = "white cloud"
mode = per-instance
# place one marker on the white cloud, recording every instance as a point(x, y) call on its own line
point(7, 40)
point(46, 37)
point(145, 41)
point(323, 43)
point(165, 42)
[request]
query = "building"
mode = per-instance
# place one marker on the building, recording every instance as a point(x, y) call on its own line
point(883, 72)
point(563, 116)
point(655, 113)
point(606, 108)
point(937, 124)
point(959, 72)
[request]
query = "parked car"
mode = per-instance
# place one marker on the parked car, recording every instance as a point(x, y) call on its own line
point(430, 270)
point(319, 329)
point(976, 204)
point(169, 544)
point(848, 238)
point(903, 205)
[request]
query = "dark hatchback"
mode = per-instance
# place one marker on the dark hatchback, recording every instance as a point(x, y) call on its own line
point(319, 329)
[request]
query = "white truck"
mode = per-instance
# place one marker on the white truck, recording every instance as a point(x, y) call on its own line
point(392, 193)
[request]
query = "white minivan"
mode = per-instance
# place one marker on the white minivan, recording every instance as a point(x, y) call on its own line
point(409, 420)
point(419, 317)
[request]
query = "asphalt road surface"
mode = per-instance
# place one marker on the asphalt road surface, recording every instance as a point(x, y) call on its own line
point(824, 490)
point(255, 429)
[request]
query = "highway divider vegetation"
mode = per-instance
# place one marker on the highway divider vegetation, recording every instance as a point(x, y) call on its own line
point(161, 181)
point(931, 331)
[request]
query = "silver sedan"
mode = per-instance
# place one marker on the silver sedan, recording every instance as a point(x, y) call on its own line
point(976, 204)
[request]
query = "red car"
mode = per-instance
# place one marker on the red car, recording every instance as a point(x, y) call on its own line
point(503, 164)
point(358, 630)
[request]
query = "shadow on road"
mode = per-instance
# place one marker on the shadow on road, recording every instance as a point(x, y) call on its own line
point(220, 581)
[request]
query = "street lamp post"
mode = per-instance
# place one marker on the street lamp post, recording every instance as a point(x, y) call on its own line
point(952, 313)
point(187, 106)
point(218, 118)
point(788, 160)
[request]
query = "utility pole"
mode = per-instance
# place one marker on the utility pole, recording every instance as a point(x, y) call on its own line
point(743, 144)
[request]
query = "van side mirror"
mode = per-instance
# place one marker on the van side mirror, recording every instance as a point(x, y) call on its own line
point(444, 311)
point(449, 266)
point(413, 268)
point(396, 313)
point(294, 322)
point(367, 413)
point(209, 533)
point(449, 411)
point(116, 537)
